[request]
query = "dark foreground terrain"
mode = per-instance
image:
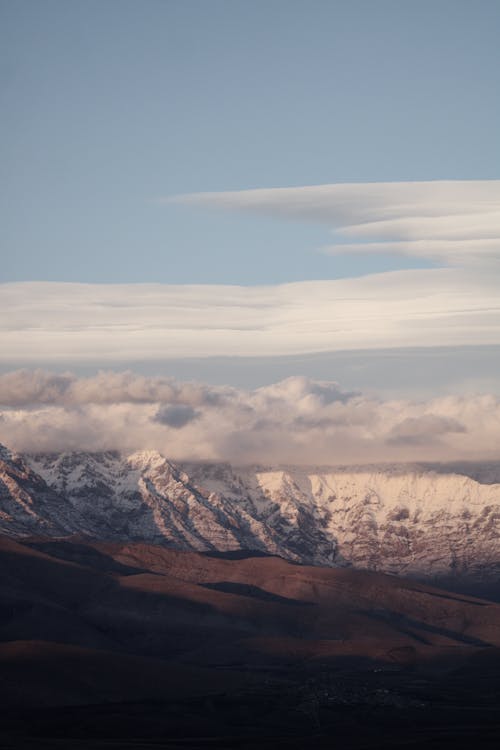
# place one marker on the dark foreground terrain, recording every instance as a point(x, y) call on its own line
point(135, 646)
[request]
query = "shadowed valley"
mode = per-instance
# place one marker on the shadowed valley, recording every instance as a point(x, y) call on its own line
point(155, 646)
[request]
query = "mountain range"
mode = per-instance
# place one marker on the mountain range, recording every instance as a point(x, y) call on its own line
point(434, 522)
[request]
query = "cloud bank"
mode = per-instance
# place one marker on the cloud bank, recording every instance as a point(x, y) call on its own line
point(297, 420)
point(453, 221)
point(105, 324)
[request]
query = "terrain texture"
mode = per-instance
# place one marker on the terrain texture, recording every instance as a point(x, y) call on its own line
point(128, 644)
point(440, 523)
point(145, 604)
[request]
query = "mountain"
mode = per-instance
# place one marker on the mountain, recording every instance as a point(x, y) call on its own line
point(113, 644)
point(423, 521)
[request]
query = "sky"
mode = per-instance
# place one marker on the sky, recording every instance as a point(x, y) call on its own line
point(248, 194)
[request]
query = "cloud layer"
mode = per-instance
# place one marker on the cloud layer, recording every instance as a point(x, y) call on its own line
point(457, 305)
point(104, 324)
point(454, 221)
point(297, 420)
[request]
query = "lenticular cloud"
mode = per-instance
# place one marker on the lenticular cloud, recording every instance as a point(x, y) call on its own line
point(107, 324)
point(454, 221)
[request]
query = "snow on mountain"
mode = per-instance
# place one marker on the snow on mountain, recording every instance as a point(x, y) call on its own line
point(27, 504)
point(409, 520)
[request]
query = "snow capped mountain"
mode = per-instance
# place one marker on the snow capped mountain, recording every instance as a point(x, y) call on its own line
point(145, 497)
point(27, 504)
point(420, 520)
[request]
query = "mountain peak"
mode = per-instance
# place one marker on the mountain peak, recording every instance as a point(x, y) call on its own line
point(147, 459)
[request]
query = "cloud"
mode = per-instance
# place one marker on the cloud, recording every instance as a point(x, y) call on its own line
point(25, 387)
point(107, 324)
point(454, 221)
point(423, 430)
point(453, 251)
point(297, 420)
point(32, 387)
point(175, 415)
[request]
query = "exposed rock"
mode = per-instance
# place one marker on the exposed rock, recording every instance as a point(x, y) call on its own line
point(404, 520)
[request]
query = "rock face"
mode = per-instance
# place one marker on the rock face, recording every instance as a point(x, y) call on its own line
point(420, 520)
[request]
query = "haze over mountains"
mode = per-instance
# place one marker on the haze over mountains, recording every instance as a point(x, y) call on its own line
point(432, 522)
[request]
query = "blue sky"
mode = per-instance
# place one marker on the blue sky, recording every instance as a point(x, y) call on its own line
point(109, 106)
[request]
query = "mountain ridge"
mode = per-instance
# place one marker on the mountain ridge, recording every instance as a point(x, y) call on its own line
point(422, 520)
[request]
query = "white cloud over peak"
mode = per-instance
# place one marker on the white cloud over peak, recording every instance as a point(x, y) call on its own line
point(297, 420)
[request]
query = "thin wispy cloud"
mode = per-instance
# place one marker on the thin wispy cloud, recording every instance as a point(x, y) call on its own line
point(452, 221)
point(453, 252)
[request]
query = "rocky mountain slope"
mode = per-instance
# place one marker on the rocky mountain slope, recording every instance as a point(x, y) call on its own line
point(420, 520)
